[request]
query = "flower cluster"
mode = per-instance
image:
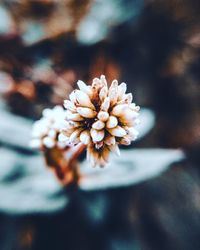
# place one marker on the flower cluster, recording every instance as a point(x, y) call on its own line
point(46, 130)
point(100, 117)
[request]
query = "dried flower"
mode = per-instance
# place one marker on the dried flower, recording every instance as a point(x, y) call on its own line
point(45, 131)
point(101, 118)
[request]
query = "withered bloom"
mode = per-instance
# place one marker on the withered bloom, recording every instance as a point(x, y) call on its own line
point(45, 131)
point(100, 117)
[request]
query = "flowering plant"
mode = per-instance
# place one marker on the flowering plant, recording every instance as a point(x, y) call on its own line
point(97, 117)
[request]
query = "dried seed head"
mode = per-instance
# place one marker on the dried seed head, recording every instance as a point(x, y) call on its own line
point(100, 117)
point(45, 131)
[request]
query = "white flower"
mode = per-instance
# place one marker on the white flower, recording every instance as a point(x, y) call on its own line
point(100, 117)
point(46, 130)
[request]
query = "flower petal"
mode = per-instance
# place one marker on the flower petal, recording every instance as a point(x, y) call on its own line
point(74, 117)
point(52, 133)
point(133, 133)
point(103, 116)
point(127, 98)
point(119, 109)
point(67, 132)
point(106, 104)
point(115, 149)
point(49, 142)
point(74, 137)
point(114, 85)
point(85, 88)
point(86, 112)
point(103, 93)
point(128, 115)
point(97, 135)
point(69, 105)
point(63, 138)
point(113, 92)
point(121, 90)
point(111, 122)
point(82, 99)
point(110, 140)
point(73, 124)
point(117, 131)
point(72, 97)
point(103, 80)
point(85, 137)
point(98, 125)
point(125, 140)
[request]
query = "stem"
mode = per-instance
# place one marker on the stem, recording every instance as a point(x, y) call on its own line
point(64, 163)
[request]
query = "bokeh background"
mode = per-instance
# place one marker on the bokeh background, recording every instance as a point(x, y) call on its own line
point(153, 46)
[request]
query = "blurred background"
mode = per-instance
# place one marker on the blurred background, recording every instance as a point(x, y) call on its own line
point(153, 46)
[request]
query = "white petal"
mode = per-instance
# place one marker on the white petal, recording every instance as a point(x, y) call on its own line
point(85, 137)
point(58, 109)
point(67, 132)
point(114, 85)
point(117, 131)
point(73, 124)
point(97, 135)
point(121, 90)
point(133, 133)
point(74, 117)
point(86, 112)
point(98, 125)
point(85, 88)
point(62, 145)
point(103, 93)
point(49, 142)
point(83, 99)
point(96, 81)
point(125, 140)
point(63, 138)
point(106, 104)
point(74, 137)
point(113, 92)
point(72, 97)
point(69, 105)
point(68, 125)
point(110, 140)
point(39, 129)
point(47, 113)
point(103, 80)
point(119, 109)
point(127, 98)
point(128, 115)
point(115, 149)
point(103, 116)
point(133, 107)
point(52, 133)
point(111, 122)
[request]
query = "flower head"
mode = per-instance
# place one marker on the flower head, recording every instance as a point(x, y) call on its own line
point(100, 117)
point(46, 130)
